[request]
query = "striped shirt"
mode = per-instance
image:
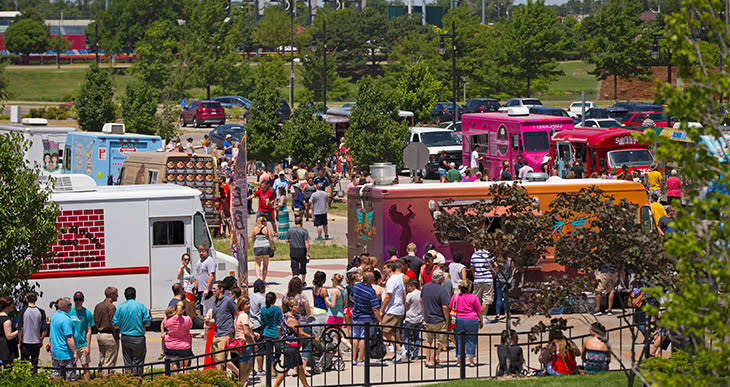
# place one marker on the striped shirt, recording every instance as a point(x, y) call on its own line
point(481, 262)
point(364, 300)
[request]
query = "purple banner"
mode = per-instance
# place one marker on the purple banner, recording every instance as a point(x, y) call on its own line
point(239, 239)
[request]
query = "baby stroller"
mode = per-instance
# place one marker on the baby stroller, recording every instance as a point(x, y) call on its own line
point(326, 355)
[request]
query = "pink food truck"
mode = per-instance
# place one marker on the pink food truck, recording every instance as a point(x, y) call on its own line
point(503, 136)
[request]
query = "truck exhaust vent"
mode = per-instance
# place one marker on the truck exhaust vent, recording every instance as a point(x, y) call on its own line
point(73, 183)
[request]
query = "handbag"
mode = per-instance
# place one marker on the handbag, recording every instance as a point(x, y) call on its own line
point(452, 315)
point(377, 345)
point(236, 344)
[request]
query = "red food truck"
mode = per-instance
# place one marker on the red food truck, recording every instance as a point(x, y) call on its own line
point(599, 149)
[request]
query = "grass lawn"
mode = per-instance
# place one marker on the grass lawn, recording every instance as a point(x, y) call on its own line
point(608, 379)
point(318, 249)
point(43, 84)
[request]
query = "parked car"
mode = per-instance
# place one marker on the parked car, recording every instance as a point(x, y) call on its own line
point(231, 101)
point(526, 102)
point(284, 112)
point(450, 125)
point(612, 112)
point(575, 108)
point(203, 113)
point(548, 111)
point(437, 140)
point(219, 133)
point(599, 123)
point(637, 118)
point(638, 106)
point(444, 111)
point(481, 105)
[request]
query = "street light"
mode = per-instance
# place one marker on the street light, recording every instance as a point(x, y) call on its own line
point(324, 63)
point(656, 54)
point(442, 51)
point(290, 4)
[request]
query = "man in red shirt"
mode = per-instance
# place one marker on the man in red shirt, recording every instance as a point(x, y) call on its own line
point(266, 199)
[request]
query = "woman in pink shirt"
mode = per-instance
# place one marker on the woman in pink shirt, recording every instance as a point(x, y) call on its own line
point(468, 319)
point(674, 187)
point(178, 339)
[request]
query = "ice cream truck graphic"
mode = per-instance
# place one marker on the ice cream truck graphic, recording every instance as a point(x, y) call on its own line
point(505, 136)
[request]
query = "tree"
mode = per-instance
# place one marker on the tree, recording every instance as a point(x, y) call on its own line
point(27, 34)
point(306, 136)
point(157, 49)
point(272, 71)
point(139, 107)
point(29, 225)
point(272, 30)
point(311, 77)
point(418, 91)
point(263, 124)
point(616, 42)
point(3, 86)
point(94, 105)
point(374, 134)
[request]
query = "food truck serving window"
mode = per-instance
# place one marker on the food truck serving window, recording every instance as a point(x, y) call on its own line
point(630, 157)
point(200, 232)
point(168, 233)
point(535, 141)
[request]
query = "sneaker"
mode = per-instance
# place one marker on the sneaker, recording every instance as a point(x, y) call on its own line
point(390, 348)
point(360, 363)
point(609, 313)
point(599, 313)
point(399, 355)
point(319, 238)
point(326, 237)
point(261, 373)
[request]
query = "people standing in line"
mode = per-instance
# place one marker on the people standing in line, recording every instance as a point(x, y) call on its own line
point(665, 220)
point(413, 322)
point(475, 158)
point(674, 187)
point(83, 320)
point(657, 209)
point(606, 276)
point(596, 354)
point(393, 307)
point(243, 329)
point(291, 332)
point(309, 189)
point(443, 166)
point(283, 213)
point(132, 317)
point(522, 174)
point(178, 339)
point(32, 329)
point(204, 278)
point(267, 199)
point(435, 301)
point(457, 271)
point(303, 313)
point(224, 311)
point(264, 246)
point(468, 319)
point(481, 263)
point(178, 294)
point(453, 175)
point(414, 262)
point(107, 336)
point(319, 209)
point(655, 181)
point(62, 345)
point(6, 331)
point(427, 269)
point(335, 301)
point(271, 317)
point(504, 174)
point(186, 277)
point(258, 302)
point(320, 293)
point(365, 309)
point(228, 147)
point(298, 239)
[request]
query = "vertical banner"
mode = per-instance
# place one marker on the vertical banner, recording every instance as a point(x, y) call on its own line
point(239, 244)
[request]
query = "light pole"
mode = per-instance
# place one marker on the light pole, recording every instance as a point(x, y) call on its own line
point(656, 54)
point(324, 64)
point(291, 4)
point(442, 51)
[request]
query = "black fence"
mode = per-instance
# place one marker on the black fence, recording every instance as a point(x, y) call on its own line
point(328, 364)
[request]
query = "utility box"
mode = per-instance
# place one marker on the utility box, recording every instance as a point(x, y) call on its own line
point(15, 114)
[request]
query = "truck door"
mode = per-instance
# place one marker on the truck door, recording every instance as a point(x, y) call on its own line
point(170, 240)
point(563, 158)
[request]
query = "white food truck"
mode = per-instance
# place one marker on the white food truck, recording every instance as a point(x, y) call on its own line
point(47, 142)
point(125, 236)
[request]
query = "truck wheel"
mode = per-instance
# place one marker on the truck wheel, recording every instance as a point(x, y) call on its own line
point(182, 121)
point(195, 122)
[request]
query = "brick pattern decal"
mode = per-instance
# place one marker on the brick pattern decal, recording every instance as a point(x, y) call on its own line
point(80, 244)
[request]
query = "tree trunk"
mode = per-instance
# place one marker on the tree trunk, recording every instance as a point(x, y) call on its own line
point(528, 86)
point(207, 92)
point(615, 87)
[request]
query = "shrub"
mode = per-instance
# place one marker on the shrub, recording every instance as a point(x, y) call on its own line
point(21, 375)
point(192, 379)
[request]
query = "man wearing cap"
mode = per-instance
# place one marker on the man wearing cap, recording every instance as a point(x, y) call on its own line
point(228, 147)
point(258, 301)
point(435, 304)
point(132, 317)
point(83, 320)
point(281, 182)
point(453, 175)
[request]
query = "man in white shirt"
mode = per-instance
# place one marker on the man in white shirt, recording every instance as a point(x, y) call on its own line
point(475, 158)
point(393, 307)
point(524, 171)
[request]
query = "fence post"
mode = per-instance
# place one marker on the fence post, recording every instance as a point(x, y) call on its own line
point(462, 355)
point(366, 377)
point(269, 359)
point(167, 366)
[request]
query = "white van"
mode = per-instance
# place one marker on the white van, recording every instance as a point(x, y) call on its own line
point(125, 236)
point(47, 142)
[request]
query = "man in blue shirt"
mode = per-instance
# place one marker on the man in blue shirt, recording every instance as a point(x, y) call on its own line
point(321, 179)
point(63, 347)
point(281, 182)
point(132, 317)
point(224, 313)
point(83, 320)
point(365, 309)
point(228, 147)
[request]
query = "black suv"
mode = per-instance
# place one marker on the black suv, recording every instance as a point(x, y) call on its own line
point(482, 105)
point(444, 111)
point(638, 107)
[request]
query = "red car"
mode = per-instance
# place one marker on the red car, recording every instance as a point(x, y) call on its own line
point(203, 113)
point(637, 118)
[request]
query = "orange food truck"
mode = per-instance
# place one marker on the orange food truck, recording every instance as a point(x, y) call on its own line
point(599, 149)
point(384, 216)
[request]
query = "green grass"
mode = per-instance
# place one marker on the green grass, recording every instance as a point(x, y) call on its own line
point(318, 249)
point(50, 84)
point(608, 379)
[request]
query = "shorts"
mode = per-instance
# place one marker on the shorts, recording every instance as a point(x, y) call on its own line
point(298, 259)
point(484, 292)
point(606, 282)
point(266, 214)
point(335, 321)
point(242, 357)
point(178, 353)
point(81, 357)
point(358, 330)
point(392, 320)
point(320, 220)
point(219, 344)
point(261, 251)
point(432, 337)
point(292, 358)
point(442, 172)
